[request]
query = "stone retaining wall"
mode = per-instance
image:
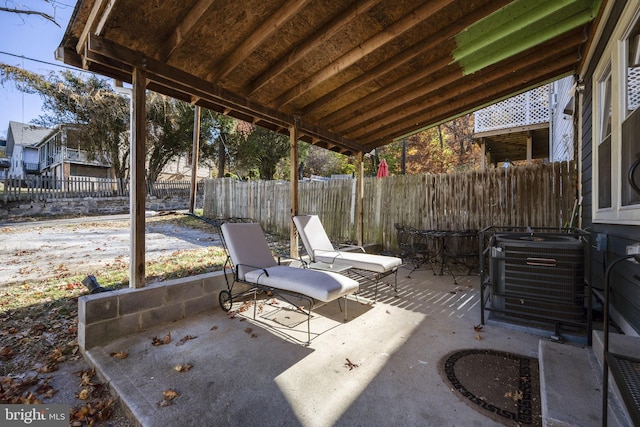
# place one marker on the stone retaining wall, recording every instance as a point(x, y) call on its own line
point(89, 206)
point(106, 316)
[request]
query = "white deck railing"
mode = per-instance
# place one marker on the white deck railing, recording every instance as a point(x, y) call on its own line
point(522, 110)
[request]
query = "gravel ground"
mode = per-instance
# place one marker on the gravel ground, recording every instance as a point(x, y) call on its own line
point(39, 250)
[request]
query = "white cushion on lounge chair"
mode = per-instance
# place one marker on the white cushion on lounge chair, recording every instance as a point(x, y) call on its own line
point(320, 285)
point(320, 249)
point(360, 260)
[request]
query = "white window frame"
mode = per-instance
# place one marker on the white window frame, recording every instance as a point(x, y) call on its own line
point(615, 54)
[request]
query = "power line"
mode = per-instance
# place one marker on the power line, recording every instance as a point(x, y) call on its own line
point(53, 64)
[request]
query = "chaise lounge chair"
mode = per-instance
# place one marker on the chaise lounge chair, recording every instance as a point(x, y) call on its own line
point(254, 265)
point(321, 250)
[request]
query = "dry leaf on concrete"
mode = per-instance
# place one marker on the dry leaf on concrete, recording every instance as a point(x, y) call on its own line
point(119, 355)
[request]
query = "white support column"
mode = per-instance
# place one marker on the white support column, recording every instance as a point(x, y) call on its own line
point(137, 188)
point(194, 159)
point(293, 190)
point(359, 198)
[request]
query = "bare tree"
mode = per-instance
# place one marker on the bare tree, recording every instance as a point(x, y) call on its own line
point(28, 12)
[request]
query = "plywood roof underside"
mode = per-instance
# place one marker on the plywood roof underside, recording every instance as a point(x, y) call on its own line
point(353, 75)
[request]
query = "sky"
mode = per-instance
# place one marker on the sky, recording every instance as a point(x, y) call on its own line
point(26, 40)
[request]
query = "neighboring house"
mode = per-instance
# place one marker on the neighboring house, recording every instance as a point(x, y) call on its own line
point(609, 93)
point(537, 124)
point(5, 162)
point(60, 156)
point(56, 153)
point(21, 150)
point(180, 169)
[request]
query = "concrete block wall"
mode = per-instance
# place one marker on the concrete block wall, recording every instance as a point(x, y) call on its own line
point(106, 316)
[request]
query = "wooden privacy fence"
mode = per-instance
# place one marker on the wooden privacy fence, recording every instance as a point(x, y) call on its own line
point(40, 188)
point(536, 196)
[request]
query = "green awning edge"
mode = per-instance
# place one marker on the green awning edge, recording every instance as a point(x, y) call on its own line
point(517, 27)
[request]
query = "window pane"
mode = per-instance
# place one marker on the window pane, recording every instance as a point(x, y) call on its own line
point(633, 89)
point(633, 69)
point(605, 106)
point(604, 173)
point(630, 149)
point(630, 153)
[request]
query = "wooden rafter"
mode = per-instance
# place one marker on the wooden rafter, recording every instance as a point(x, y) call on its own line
point(189, 24)
point(95, 16)
point(257, 38)
point(401, 26)
point(310, 43)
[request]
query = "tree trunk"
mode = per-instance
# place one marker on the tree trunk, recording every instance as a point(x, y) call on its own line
point(222, 157)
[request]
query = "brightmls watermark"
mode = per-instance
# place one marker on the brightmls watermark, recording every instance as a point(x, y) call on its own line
point(35, 415)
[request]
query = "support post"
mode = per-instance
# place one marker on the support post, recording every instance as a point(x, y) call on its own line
point(194, 159)
point(404, 156)
point(137, 190)
point(485, 155)
point(293, 191)
point(529, 148)
point(359, 198)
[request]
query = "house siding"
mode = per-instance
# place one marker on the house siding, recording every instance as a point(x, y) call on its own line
point(609, 241)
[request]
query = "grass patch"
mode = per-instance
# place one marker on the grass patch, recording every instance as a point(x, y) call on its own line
point(115, 275)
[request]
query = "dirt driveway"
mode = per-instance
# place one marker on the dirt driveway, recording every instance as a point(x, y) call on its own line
point(44, 249)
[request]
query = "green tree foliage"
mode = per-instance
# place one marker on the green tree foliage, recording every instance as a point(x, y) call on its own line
point(170, 132)
point(259, 151)
point(283, 168)
point(224, 142)
point(323, 162)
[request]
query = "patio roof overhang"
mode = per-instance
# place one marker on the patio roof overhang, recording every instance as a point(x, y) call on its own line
point(352, 75)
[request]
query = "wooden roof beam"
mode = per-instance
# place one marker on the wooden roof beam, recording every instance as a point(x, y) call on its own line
point(404, 56)
point(316, 40)
point(97, 17)
point(395, 30)
point(171, 79)
point(258, 37)
point(189, 24)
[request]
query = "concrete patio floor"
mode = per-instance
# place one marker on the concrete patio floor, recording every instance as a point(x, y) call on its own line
point(247, 373)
